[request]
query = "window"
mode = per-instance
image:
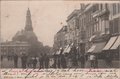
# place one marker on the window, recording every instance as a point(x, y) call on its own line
point(65, 42)
point(101, 6)
point(77, 23)
point(116, 23)
point(114, 9)
point(95, 7)
point(114, 26)
point(118, 7)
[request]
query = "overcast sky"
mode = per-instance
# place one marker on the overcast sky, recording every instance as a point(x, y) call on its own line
point(47, 17)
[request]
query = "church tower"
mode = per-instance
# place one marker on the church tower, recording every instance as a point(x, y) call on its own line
point(28, 24)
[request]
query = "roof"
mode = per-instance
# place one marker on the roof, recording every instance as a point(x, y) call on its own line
point(75, 12)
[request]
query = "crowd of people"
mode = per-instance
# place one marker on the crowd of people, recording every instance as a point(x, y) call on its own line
point(70, 60)
point(31, 62)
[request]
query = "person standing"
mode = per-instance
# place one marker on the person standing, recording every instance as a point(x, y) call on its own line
point(63, 61)
point(46, 61)
point(41, 61)
point(15, 61)
point(92, 60)
point(96, 61)
point(1, 57)
point(29, 62)
point(24, 60)
point(109, 59)
point(55, 61)
point(34, 62)
point(74, 56)
point(82, 59)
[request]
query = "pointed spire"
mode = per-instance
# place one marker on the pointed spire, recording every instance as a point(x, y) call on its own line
point(28, 26)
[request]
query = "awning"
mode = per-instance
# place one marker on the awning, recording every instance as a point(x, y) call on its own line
point(97, 47)
point(92, 37)
point(91, 49)
point(110, 43)
point(65, 49)
point(116, 44)
point(68, 49)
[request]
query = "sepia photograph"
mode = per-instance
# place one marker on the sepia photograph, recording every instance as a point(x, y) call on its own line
point(59, 34)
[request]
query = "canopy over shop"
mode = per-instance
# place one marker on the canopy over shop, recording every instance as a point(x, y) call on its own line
point(96, 48)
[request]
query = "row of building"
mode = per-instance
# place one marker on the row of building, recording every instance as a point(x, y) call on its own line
point(94, 28)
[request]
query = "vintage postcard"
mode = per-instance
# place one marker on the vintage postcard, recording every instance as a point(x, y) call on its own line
point(59, 39)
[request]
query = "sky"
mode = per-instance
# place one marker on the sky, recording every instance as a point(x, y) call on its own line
point(46, 16)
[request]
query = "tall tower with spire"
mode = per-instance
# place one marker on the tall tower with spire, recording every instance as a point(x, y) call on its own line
point(28, 24)
point(27, 34)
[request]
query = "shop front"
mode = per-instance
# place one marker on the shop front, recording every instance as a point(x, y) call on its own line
point(95, 52)
point(112, 51)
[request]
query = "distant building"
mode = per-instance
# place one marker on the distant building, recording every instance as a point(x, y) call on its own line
point(27, 34)
point(23, 41)
point(11, 48)
point(72, 22)
point(60, 39)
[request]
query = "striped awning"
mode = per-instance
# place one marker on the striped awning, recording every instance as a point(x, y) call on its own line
point(65, 50)
point(92, 37)
point(116, 44)
point(91, 49)
point(96, 47)
point(110, 43)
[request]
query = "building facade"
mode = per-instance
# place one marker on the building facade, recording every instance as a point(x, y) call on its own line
point(10, 48)
point(72, 22)
point(60, 39)
point(92, 24)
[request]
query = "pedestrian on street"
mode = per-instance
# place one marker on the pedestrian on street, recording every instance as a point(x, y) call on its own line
point(34, 62)
point(96, 61)
point(1, 57)
point(24, 60)
point(59, 62)
point(63, 61)
point(82, 59)
point(55, 61)
point(74, 61)
point(92, 60)
point(29, 62)
point(74, 56)
point(15, 60)
point(46, 61)
point(108, 60)
point(41, 61)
